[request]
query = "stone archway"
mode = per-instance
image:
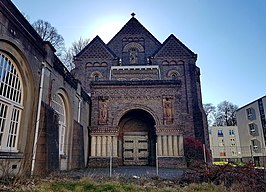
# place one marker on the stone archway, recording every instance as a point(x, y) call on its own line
point(137, 138)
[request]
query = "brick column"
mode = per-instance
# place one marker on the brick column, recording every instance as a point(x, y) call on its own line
point(93, 146)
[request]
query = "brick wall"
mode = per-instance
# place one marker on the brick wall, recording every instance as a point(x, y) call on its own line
point(47, 153)
point(77, 146)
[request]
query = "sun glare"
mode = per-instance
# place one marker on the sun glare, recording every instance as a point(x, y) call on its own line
point(106, 31)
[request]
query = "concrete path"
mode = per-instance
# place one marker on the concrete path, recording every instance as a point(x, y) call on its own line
point(131, 171)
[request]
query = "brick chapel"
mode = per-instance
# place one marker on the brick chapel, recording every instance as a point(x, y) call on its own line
point(142, 92)
point(133, 100)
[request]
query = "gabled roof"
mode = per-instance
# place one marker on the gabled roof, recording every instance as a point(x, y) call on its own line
point(173, 47)
point(96, 49)
point(134, 27)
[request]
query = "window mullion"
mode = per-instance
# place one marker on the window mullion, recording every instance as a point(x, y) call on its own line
point(7, 127)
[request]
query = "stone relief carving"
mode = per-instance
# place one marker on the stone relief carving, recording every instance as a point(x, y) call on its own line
point(167, 110)
point(133, 56)
point(103, 110)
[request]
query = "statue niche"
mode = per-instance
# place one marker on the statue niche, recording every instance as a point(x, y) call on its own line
point(133, 56)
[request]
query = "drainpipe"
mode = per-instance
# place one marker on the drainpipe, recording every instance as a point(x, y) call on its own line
point(37, 121)
point(79, 109)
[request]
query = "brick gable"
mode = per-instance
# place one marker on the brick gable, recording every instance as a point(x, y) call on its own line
point(174, 48)
point(96, 49)
point(134, 32)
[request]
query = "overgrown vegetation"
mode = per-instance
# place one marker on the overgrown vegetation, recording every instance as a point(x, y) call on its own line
point(117, 184)
point(232, 176)
point(200, 177)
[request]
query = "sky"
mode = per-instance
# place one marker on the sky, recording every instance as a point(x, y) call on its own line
point(229, 36)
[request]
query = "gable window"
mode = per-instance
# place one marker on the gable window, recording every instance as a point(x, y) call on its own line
point(59, 107)
point(10, 104)
point(96, 77)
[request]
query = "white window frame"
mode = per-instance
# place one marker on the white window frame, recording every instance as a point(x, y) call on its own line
point(11, 98)
point(249, 113)
point(251, 127)
point(231, 132)
point(61, 122)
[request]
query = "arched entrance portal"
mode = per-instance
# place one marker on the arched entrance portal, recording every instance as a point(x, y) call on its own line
point(137, 138)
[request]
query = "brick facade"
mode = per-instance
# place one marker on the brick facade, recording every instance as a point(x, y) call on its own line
point(135, 72)
point(129, 99)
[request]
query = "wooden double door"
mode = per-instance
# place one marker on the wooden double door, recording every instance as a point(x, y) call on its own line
point(136, 148)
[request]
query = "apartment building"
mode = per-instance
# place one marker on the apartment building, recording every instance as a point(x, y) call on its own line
point(252, 130)
point(224, 143)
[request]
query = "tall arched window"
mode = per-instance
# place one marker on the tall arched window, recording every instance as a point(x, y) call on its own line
point(59, 107)
point(11, 103)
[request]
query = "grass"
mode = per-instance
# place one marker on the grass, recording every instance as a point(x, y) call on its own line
point(89, 184)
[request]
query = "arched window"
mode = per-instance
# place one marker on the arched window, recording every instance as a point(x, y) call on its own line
point(59, 107)
point(11, 103)
point(174, 76)
point(96, 77)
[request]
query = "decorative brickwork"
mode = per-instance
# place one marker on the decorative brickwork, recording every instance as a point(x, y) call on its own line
point(148, 88)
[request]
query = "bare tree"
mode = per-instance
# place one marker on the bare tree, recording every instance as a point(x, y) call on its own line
point(49, 33)
point(209, 109)
point(225, 114)
point(73, 50)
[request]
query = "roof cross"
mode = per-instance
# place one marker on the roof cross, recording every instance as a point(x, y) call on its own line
point(133, 14)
